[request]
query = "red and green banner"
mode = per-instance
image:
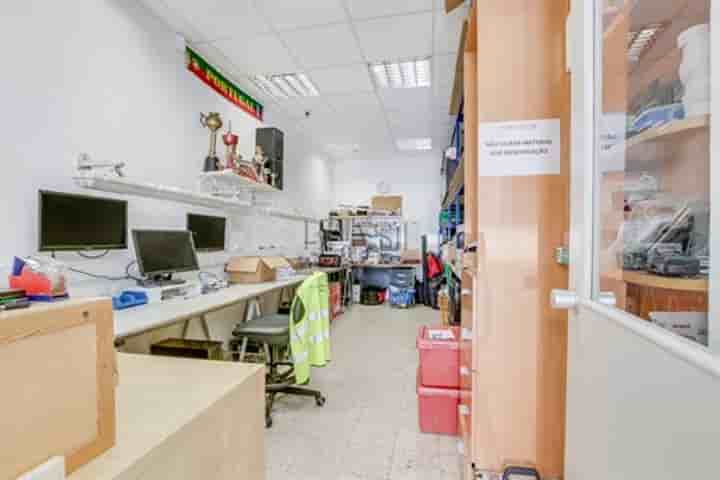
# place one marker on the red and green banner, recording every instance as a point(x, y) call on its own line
point(217, 81)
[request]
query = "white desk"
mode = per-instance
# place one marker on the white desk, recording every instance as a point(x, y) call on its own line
point(137, 320)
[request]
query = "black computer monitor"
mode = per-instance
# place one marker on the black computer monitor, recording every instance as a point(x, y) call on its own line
point(208, 232)
point(78, 222)
point(160, 253)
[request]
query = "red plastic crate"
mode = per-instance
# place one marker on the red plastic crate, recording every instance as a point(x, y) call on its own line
point(438, 409)
point(439, 359)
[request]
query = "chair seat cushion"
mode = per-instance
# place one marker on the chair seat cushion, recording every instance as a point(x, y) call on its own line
point(266, 326)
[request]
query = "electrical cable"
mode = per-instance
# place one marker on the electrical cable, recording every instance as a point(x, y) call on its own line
point(93, 257)
point(101, 277)
point(127, 272)
point(127, 276)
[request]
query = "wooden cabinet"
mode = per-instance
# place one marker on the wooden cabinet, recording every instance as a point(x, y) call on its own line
point(646, 293)
point(515, 71)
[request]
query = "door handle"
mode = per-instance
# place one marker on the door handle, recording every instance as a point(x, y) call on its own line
point(568, 299)
point(607, 298)
point(563, 299)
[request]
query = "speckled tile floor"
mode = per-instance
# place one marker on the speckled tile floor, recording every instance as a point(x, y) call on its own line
point(368, 428)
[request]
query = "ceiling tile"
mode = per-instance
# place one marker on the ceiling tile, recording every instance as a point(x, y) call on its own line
point(259, 55)
point(346, 79)
point(363, 9)
point(406, 99)
point(393, 38)
point(217, 19)
point(326, 46)
point(443, 69)
point(448, 29)
point(361, 104)
point(286, 15)
point(317, 106)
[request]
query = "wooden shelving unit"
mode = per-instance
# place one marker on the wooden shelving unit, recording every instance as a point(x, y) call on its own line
point(456, 184)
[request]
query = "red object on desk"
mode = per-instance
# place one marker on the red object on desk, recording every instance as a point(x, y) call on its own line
point(36, 286)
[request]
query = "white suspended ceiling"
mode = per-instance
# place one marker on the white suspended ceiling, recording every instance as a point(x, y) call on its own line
point(333, 41)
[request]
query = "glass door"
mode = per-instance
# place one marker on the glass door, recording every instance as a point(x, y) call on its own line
point(652, 204)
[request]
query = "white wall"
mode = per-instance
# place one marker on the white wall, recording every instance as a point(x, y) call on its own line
point(415, 177)
point(106, 77)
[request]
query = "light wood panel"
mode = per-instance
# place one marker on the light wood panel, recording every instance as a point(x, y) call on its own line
point(57, 365)
point(521, 342)
point(471, 130)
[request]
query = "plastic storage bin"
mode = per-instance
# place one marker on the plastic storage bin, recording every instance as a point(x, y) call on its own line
point(437, 409)
point(439, 359)
point(403, 278)
point(402, 297)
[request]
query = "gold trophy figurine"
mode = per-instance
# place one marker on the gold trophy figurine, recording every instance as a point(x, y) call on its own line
point(213, 122)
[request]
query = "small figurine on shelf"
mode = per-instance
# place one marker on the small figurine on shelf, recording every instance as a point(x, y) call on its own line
point(273, 179)
point(213, 122)
point(259, 161)
point(231, 154)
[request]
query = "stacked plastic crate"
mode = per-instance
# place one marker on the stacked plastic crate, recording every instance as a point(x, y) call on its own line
point(438, 379)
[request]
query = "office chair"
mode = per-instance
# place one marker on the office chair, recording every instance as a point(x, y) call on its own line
point(273, 333)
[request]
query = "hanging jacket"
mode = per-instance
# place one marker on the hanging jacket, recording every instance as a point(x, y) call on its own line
point(300, 311)
point(317, 326)
point(323, 291)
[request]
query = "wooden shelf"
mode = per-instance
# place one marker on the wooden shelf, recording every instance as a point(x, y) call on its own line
point(666, 132)
point(456, 184)
point(669, 283)
point(227, 181)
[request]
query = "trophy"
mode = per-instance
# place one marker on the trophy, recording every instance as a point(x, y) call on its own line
point(260, 160)
point(213, 122)
point(231, 154)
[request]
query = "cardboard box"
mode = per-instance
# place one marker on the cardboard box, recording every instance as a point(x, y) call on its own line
point(254, 269)
point(392, 203)
point(58, 369)
point(411, 256)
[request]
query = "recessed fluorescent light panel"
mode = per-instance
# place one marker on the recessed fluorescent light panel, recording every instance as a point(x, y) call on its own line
point(286, 85)
point(639, 42)
point(407, 74)
point(410, 144)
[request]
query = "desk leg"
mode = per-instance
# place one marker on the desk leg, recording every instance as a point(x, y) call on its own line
point(205, 327)
point(186, 326)
point(203, 324)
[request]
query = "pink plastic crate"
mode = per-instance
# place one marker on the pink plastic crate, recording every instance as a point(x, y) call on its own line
point(438, 409)
point(439, 359)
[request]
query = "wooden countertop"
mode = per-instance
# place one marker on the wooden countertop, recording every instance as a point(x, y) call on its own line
point(160, 398)
point(670, 283)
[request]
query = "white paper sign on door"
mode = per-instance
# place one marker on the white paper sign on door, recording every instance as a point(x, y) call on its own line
point(529, 147)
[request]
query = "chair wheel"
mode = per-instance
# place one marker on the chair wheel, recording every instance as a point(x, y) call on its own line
point(268, 422)
point(320, 401)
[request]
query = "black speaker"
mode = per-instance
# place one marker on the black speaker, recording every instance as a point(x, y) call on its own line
point(271, 141)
